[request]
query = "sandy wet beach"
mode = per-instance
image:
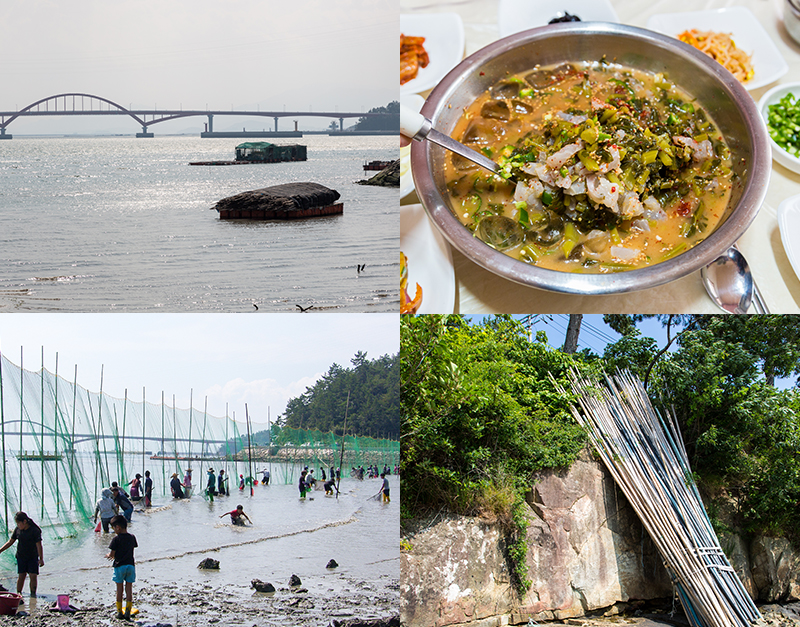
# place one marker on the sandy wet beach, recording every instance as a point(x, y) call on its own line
point(289, 537)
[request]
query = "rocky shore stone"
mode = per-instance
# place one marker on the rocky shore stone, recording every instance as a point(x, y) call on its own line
point(388, 177)
point(393, 621)
point(294, 580)
point(209, 564)
point(262, 586)
point(332, 564)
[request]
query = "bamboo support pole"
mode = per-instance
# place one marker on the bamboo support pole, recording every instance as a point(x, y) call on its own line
point(55, 438)
point(41, 441)
point(21, 421)
point(3, 432)
point(646, 457)
point(72, 438)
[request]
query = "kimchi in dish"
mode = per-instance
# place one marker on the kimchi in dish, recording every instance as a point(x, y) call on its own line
point(604, 168)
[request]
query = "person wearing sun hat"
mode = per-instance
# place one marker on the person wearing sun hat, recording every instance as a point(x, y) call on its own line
point(211, 486)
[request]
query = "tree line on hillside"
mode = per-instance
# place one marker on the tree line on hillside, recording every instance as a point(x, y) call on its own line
point(481, 413)
point(374, 407)
point(373, 410)
point(390, 121)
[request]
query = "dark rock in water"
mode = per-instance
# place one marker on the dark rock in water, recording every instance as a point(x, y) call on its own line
point(332, 564)
point(392, 621)
point(209, 564)
point(388, 177)
point(262, 586)
point(294, 580)
point(289, 200)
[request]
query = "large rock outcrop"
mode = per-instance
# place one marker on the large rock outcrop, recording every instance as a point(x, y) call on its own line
point(586, 550)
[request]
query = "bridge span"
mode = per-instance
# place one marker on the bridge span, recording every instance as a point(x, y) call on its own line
point(74, 104)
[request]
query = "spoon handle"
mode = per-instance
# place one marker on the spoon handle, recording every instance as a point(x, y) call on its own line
point(418, 127)
point(758, 301)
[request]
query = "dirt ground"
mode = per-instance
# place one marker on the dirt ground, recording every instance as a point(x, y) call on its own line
point(372, 603)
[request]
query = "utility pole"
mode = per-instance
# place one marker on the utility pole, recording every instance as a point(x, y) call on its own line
point(573, 330)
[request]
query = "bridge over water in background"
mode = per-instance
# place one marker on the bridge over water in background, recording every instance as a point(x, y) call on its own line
point(74, 104)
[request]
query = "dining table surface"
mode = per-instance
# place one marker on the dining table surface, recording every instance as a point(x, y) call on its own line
point(478, 291)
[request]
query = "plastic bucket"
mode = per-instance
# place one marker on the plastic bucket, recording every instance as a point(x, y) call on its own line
point(62, 602)
point(9, 601)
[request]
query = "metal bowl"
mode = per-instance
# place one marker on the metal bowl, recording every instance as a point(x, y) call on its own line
point(713, 87)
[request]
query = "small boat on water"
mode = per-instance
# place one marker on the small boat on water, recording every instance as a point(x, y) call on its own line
point(262, 152)
point(377, 165)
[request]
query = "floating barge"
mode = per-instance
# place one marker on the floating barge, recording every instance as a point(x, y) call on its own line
point(377, 165)
point(290, 201)
point(262, 152)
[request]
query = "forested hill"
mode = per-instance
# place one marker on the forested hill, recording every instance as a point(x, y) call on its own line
point(374, 387)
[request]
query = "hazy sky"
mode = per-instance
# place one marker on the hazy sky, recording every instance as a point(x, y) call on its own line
point(199, 54)
point(262, 360)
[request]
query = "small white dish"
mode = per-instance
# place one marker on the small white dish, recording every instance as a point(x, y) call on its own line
point(745, 29)
point(415, 102)
point(514, 16)
point(430, 261)
point(789, 225)
point(444, 43)
point(771, 97)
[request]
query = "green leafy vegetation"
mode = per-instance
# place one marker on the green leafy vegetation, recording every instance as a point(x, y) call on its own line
point(480, 415)
point(374, 389)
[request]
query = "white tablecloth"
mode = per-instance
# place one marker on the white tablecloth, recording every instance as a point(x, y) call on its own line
point(480, 291)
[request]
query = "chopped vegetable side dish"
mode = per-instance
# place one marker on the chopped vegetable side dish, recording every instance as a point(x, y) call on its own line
point(783, 122)
point(604, 168)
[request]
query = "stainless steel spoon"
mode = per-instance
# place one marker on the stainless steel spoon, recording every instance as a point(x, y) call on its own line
point(416, 126)
point(730, 284)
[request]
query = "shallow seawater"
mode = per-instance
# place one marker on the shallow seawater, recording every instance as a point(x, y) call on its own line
point(289, 536)
point(125, 224)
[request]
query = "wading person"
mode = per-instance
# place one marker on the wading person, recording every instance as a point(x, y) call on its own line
point(187, 482)
point(106, 508)
point(211, 485)
point(136, 486)
point(148, 489)
point(302, 485)
point(221, 482)
point(122, 500)
point(121, 551)
point(175, 486)
point(29, 551)
point(237, 516)
point(385, 488)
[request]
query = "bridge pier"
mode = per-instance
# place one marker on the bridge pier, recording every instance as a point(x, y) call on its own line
point(144, 133)
point(210, 122)
point(276, 123)
point(3, 134)
point(341, 124)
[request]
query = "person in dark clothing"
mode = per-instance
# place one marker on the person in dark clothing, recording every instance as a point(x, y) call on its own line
point(122, 500)
point(175, 485)
point(121, 551)
point(29, 551)
point(211, 485)
point(148, 489)
point(221, 482)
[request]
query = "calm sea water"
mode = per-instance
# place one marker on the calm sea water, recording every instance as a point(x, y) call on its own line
point(124, 224)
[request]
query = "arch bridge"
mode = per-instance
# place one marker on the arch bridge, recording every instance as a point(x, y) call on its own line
point(73, 104)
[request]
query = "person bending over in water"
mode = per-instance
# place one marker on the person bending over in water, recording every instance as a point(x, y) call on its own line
point(237, 516)
point(29, 550)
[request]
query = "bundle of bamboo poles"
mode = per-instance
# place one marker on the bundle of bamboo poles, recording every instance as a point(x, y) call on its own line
point(645, 454)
